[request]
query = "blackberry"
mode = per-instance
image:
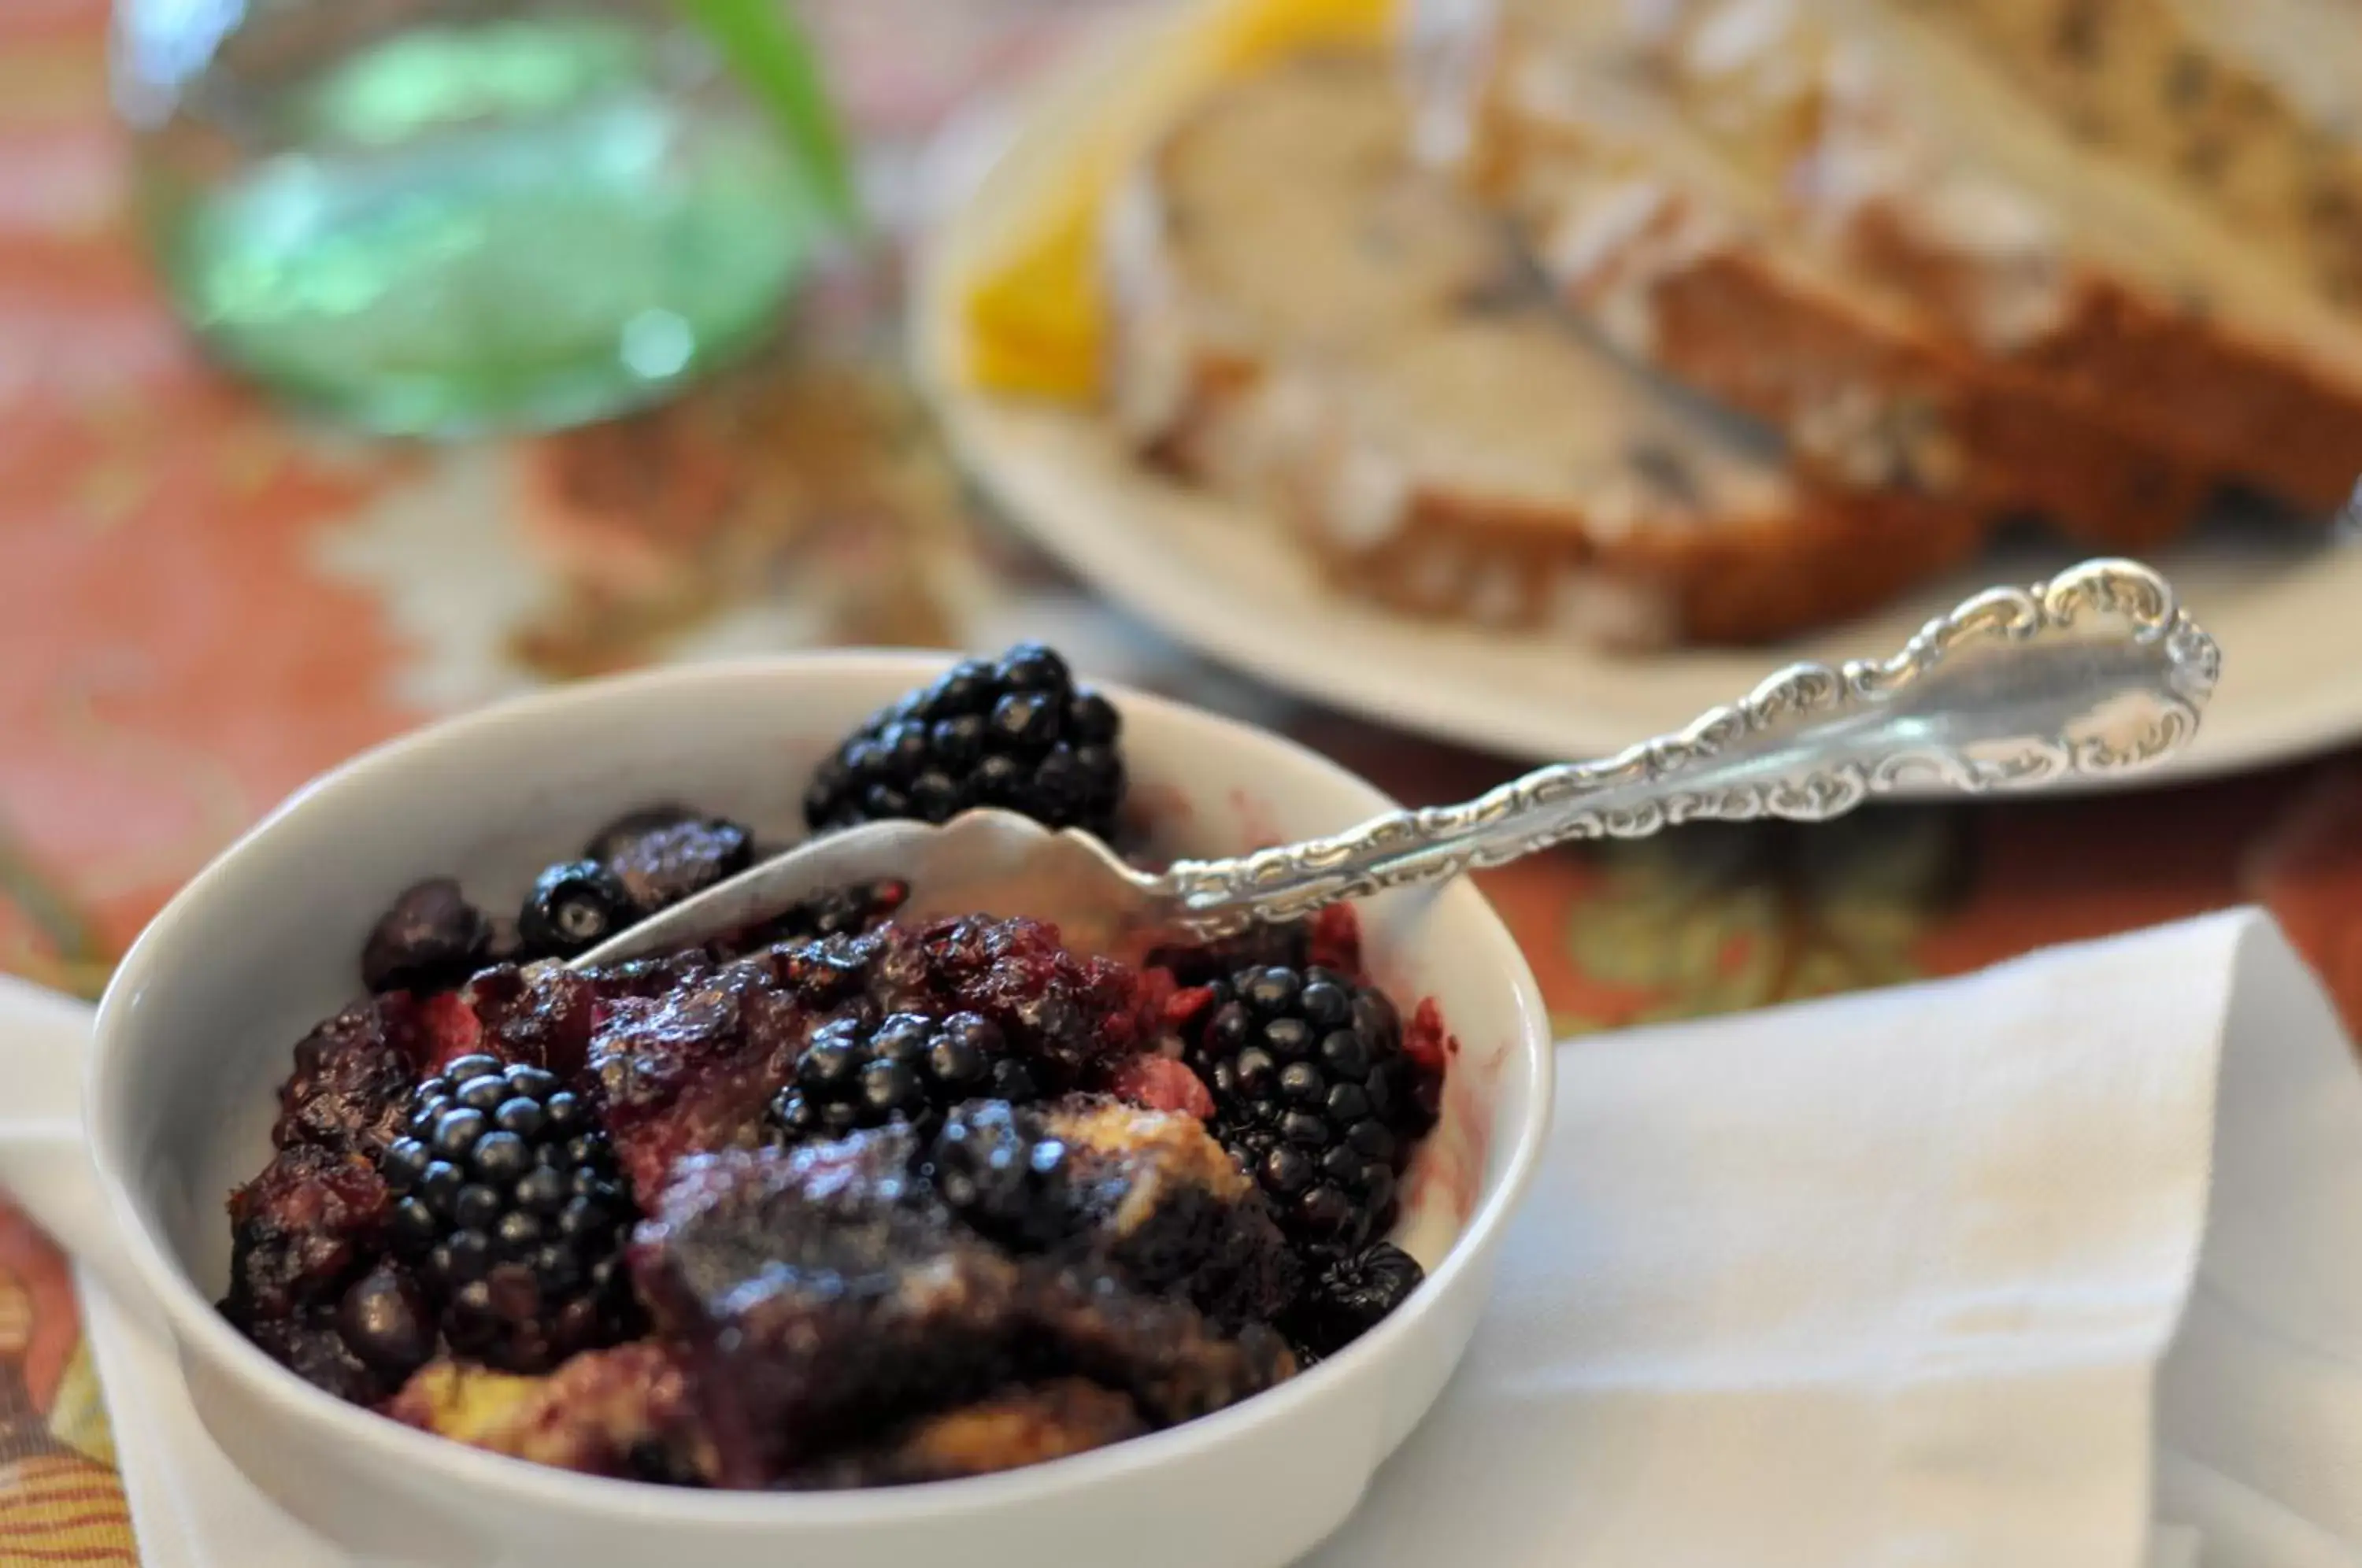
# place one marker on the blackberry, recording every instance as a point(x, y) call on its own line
point(1314, 1096)
point(1350, 1296)
point(508, 1207)
point(662, 854)
point(908, 1069)
point(574, 905)
point(1016, 733)
point(431, 939)
point(997, 1167)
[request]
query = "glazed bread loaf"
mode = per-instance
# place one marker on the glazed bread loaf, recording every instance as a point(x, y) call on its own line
point(2309, 49)
point(1912, 157)
point(1307, 321)
point(2190, 92)
point(1688, 259)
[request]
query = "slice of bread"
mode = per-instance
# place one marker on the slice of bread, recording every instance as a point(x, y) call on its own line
point(1688, 260)
point(2309, 49)
point(2152, 84)
point(1305, 320)
point(1926, 168)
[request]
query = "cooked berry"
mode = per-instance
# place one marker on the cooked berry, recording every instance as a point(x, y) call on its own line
point(431, 939)
point(1013, 1081)
point(1313, 1095)
point(384, 1319)
point(837, 911)
point(1286, 945)
point(996, 1166)
point(575, 905)
point(1016, 733)
point(1353, 1295)
point(910, 1068)
point(508, 1216)
point(664, 854)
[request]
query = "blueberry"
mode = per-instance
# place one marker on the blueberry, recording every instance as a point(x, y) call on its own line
point(573, 905)
point(382, 1319)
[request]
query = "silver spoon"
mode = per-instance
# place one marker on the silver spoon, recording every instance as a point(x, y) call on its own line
point(2095, 672)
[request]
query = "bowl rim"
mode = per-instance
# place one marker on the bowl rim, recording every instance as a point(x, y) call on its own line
point(203, 1333)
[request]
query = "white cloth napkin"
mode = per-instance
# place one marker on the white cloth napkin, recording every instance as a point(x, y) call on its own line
point(2051, 1265)
point(2048, 1265)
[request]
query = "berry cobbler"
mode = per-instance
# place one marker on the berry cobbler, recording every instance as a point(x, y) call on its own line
point(843, 1199)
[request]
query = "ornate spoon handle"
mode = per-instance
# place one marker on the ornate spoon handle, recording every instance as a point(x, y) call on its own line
point(2095, 672)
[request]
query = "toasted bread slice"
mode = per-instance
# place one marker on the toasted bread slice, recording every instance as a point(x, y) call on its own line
point(1928, 170)
point(1688, 260)
point(1306, 320)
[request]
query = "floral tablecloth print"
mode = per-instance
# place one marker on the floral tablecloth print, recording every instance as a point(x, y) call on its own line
point(202, 602)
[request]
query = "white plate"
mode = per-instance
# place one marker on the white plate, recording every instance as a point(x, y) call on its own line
point(2287, 610)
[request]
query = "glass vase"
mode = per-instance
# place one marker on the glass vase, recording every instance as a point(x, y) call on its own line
point(440, 216)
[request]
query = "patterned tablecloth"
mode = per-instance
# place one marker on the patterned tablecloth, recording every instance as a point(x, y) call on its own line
point(202, 602)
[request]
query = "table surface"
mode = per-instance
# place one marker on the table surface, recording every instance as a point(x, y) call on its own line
point(202, 602)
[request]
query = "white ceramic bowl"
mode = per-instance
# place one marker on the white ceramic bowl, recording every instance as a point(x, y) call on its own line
point(197, 1027)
